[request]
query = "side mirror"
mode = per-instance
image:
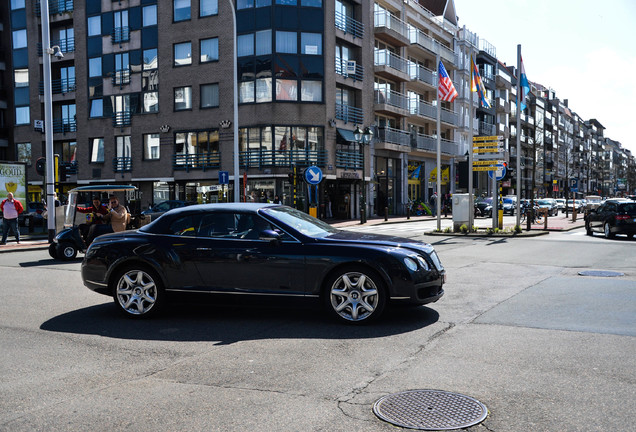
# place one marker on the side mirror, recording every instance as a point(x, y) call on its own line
point(270, 236)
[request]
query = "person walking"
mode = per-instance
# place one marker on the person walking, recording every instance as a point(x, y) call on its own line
point(433, 202)
point(11, 209)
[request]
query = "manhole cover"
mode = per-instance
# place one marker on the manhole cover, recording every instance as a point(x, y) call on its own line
point(430, 410)
point(600, 273)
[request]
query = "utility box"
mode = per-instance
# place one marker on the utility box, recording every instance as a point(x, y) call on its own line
point(461, 211)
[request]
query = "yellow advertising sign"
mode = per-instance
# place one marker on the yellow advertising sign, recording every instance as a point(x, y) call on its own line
point(445, 175)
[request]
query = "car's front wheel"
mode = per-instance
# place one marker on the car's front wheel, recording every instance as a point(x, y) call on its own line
point(66, 251)
point(355, 295)
point(588, 229)
point(138, 292)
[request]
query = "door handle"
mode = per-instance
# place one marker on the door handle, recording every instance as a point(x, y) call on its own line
point(204, 249)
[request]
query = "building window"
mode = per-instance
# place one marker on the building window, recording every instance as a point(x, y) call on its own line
point(181, 10)
point(95, 67)
point(150, 15)
point(246, 92)
point(208, 7)
point(311, 3)
point(151, 102)
point(245, 45)
point(151, 147)
point(97, 150)
point(183, 54)
point(286, 42)
point(97, 108)
point(263, 42)
point(22, 115)
point(17, 4)
point(286, 90)
point(150, 59)
point(311, 43)
point(122, 144)
point(94, 26)
point(19, 39)
point(182, 98)
point(24, 152)
point(21, 77)
point(209, 50)
point(244, 4)
point(311, 91)
point(286, 2)
point(209, 95)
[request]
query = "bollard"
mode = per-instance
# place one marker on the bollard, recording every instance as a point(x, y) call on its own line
point(545, 220)
point(386, 214)
point(408, 213)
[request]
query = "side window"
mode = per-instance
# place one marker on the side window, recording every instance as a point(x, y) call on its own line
point(217, 225)
point(185, 226)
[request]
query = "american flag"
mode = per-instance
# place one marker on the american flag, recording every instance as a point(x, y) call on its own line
point(446, 90)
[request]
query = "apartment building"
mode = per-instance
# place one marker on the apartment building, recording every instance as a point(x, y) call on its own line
point(6, 120)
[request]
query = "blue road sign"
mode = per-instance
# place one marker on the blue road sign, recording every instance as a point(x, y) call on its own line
point(574, 185)
point(501, 172)
point(313, 175)
point(224, 177)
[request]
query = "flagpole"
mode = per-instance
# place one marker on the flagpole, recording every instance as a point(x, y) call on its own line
point(439, 151)
point(471, 205)
point(518, 169)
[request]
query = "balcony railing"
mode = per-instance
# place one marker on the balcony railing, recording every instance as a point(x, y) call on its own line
point(429, 143)
point(349, 25)
point(394, 136)
point(422, 108)
point(341, 69)
point(64, 126)
point(449, 117)
point(122, 164)
point(67, 45)
point(384, 19)
point(418, 37)
point(120, 35)
point(486, 128)
point(257, 158)
point(387, 58)
point(420, 73)
point(122, 118)
point(60, 86)
point(202, 161)
point(392, 98)
point(55, 6)
point(349, 159)
point(349, 114)
point(70, 167)
point(121, 77)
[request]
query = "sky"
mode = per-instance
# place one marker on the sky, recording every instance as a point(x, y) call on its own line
point(584, 50)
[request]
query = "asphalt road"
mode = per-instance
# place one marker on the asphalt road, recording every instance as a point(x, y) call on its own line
point(518, 329)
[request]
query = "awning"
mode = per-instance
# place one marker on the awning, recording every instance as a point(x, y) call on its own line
point(345, 136)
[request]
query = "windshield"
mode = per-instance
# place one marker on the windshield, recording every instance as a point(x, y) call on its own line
point(544, 202)
point(300, 221)
point(69, 216)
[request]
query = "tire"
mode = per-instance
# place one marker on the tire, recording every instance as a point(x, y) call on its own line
point(588, 230)
point(66, 251)
point(53, 250)
point(355, 295)
point(607, 231)
point(138, 292)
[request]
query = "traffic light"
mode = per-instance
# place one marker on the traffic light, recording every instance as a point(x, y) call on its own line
point(507, 175)
point(290, 176)
point(40, 166)
point(62, 172)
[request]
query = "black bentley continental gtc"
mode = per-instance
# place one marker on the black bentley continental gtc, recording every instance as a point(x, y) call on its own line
point(261, 249)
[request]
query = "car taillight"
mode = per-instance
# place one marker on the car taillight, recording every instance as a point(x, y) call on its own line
point(623, 217)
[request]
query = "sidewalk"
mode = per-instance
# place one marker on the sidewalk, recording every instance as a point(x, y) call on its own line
point(27, 242)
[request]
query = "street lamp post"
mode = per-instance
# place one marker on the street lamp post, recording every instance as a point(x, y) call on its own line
point(235, 104)
point(363, 138)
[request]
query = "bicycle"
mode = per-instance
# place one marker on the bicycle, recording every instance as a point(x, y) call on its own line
point(538, 218)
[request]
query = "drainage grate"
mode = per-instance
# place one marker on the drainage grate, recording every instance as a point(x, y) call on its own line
point(600, 273)
point(432, 410)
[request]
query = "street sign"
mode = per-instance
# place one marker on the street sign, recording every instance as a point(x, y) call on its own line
point(499, 173)
point(488, 156)
point(574, 185)
point(313, 175)
point(488, 162)
point(224, 177)
point(485, 168)
point(488, 138)
point(487, 144)
point(488, 149)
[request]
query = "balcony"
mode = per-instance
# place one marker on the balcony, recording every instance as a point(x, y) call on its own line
point(450, 117)
point(69, 167)
point(391, 102)
point(55, 6)
point(391, 66)
point(121, 77)
point(421, 74)
point(349, 114)
point(120, 35)
point(393, 139)
point(66, 45)
point(422, 109)
point(258, 158)
point(60, 86)
point(421, 40)
point(390, 29)
point(64, 126)
point(341, 69)
point(349, 25)
point(122, 118)
point(349, 159)
point(486, 129)
point(202, 161)
point(428, 143)
point(503, 105)
point(122, 164)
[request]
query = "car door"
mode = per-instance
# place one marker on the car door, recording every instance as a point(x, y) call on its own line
point(180, 244)
point(231, 257)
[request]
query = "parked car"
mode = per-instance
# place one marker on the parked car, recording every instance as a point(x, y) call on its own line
point(579, 204)
point(615, 216)
point(549, 205)
point(483, 207)
point(159, 209)
point(509, 206)
point(261, 249)
point(592, 202)
point(560, 204)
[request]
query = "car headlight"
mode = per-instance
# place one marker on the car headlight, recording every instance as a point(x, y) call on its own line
point(423, 262)
point(410, 264)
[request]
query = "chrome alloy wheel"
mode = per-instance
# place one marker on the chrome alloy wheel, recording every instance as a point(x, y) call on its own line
point(136, 292)
point(354, 296)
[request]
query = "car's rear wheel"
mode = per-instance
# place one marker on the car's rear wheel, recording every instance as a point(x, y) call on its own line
point(588, 229)
point(66, 251)
point(355, 295)
point(608, 231)
point(138, 292)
